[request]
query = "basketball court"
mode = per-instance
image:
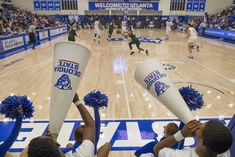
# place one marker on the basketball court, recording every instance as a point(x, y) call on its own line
point(111, 70)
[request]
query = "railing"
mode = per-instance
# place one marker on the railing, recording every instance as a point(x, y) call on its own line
point(10, 45)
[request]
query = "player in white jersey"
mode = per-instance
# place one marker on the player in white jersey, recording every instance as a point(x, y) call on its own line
point(192, 37)
point(124, 26)
point(97, 31)
point(169, 24)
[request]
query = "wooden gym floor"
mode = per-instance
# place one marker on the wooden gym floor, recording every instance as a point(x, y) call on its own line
point(111, 70)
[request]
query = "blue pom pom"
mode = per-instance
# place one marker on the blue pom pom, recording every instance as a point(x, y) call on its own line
point(192, 97)
point(10, 106)
point(96, 100)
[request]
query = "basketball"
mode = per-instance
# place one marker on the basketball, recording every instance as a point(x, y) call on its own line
point(118, 31)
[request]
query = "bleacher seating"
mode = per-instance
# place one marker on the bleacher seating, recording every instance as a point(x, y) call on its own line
point(15, 21)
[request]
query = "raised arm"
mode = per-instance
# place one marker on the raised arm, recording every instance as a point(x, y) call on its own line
point(13, 136)
point(189, 130)
point(188, 34)
point(89, 132)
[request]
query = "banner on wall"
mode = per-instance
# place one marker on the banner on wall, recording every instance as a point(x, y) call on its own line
point(43, 35)
point(123, 5)
point(50, 5)
point(196, 5)
point(123, 135)
point(57, 31)
point(1, 47)
point(12, 43)
point(43, 5)
point(57, 5)
point(36, 4)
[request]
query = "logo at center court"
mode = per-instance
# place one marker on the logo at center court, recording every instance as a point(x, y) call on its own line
point(141, 39)
point(169, 66)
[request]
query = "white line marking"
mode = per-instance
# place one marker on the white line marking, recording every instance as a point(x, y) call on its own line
point(125, 90)
point(218, 74)
point(149, 118)
point(120, 82)
point(233, 80)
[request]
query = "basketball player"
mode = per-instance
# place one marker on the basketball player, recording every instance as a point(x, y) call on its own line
point(46, 146)
point(110, 32)
point(97, 30)
point(134, 40)
point(192, 37)
point(72, 33)
point(195, 26)
point(124, 26)
point(169, 24)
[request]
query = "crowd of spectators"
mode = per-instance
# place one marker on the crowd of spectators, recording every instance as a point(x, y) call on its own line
point(134, 21)
point(224, 20)
point(15, 21)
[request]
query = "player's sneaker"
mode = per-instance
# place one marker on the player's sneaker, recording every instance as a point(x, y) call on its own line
point(198, 49)
point(190, 57)
point(147, 52)
point(132, 53)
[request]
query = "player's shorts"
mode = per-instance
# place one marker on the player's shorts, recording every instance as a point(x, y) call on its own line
point(192, 40)
point(97, 31)
point(168, 31)
point(137, 43)
point(86, 149)
point(124, 29)
point(110, 31)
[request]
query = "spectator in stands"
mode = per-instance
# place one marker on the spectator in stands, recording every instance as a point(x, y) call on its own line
point(32, 34)
point(223, 20)
point(213, 137)
point(14, 20)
